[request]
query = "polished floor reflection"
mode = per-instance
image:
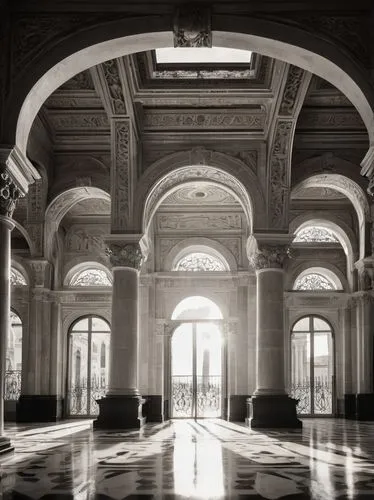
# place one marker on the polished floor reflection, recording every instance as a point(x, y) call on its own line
point(328, 459)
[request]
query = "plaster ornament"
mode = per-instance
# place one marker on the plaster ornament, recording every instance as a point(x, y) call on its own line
point(120, 183)
point(114, 84)
point(9, 194)
point(125, 255)
point(266, 256)
point(291, 90)
point(192, 26)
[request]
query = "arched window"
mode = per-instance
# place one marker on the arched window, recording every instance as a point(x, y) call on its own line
point(200, 261)
point(13, 357)
point(90, 277)
point(312, 366)
point(313, 281)
point(315, 234)
point(88, 379)
point(17, 278)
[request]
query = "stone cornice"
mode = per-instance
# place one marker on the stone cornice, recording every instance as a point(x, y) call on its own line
point(19, 167)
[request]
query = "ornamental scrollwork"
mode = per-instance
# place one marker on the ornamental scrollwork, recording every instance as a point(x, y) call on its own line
point(113, 81)
point(120, 174)
point(125, 255)
point(192, 27)
point(291, 90)
point(9, 194)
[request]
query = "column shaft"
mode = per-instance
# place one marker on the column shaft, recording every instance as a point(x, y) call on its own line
point(270, 341)
point(123, 378)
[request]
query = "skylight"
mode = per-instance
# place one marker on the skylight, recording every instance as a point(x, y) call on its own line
point(202, 55)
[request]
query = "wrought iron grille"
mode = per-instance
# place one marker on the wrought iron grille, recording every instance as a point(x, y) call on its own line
point(208, 396)
point(12, 389)
point(314, 398)
point(82, 399)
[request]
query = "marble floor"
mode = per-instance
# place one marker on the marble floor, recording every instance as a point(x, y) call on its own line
point(210, 459)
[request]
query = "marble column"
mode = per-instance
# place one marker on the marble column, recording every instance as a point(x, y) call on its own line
point(9, 194)
point(122, 406)
point(271, 406)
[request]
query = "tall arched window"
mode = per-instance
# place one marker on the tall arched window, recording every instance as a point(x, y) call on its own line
point(312, 366)
point(200, 261)
point(88, 378)
point(13, 357)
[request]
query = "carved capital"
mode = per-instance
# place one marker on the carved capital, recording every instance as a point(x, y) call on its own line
point(125, 255)
point(9, 194)
point(267, 255)
point(192, 26)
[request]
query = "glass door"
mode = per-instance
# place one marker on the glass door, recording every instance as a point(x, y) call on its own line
point(196, 371)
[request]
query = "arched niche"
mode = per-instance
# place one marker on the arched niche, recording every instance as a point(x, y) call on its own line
point(200, 244)
point(60, 206)
point(203, 166)
point(107, 39)
point(351, 190)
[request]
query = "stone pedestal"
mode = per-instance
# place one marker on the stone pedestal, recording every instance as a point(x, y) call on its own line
point(122, 406)
point(120, 412)
point(270, 405)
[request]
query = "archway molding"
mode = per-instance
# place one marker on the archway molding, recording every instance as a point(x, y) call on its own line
point(199, 165)
point(101, 40)
point(60, 206)
point(199, 244)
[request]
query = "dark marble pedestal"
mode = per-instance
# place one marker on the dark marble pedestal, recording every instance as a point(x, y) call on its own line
point(267, 412)
point(120, 412)
point(5, 445)
point(39, 408)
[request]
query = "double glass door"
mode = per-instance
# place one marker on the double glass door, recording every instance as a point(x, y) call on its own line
point(196, 370)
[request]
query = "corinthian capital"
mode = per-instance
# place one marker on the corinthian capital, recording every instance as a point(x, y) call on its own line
point(9, 194)
point(266, 255)
point(122, 254)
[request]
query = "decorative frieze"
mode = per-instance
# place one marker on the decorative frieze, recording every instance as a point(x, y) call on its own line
point(78, 120)
point(207, 221)
point(120, 173)
point(192, 26)
point(185, 119)
point(125, 255)
point(9, 194)
point(79, 239)
point(317, 119)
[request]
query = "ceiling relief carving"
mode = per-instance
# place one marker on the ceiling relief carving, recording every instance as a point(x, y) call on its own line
point(200, 194)
point(317, 193)
point(291, 90)
point(317, 119)
point(90, 207)
point(251, 119)
point(81, 81)
point(120, 174)
point(192, 26)
point(209, 222)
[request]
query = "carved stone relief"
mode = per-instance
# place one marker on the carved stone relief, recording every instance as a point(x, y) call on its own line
point(120, 175)
point(322, 119)
point(291, 90)
point(114, 84)
point(81, 81)
point(268, 256)
point(81, 239)
point(199, 221)
point(279, 173)
point(192, 27)
point(78, 120)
